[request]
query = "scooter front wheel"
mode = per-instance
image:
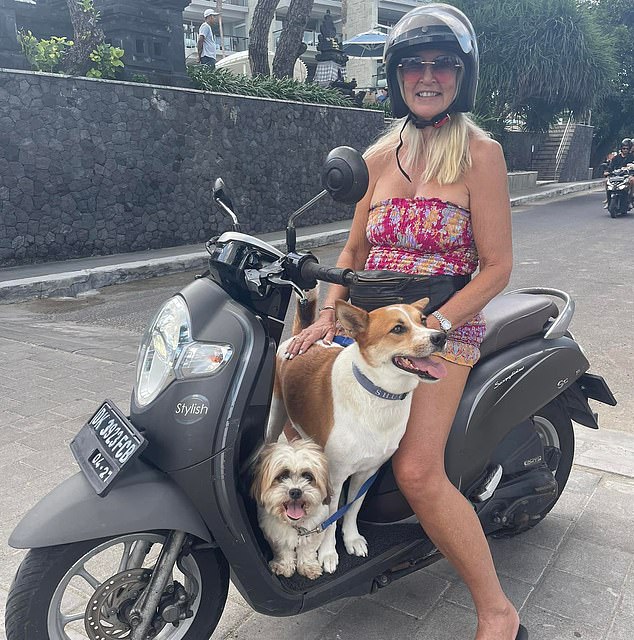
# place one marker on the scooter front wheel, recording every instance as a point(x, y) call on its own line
point(87, 590)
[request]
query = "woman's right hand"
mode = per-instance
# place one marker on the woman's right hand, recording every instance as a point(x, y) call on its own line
point(324, 328)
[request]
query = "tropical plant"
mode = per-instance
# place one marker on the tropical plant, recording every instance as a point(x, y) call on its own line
point(613, 119)
point(106, 60)
point(538, 58)
point(44, 55)
point(88, 55)
point(223, 81)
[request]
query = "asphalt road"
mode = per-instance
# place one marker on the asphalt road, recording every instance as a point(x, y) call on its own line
point(570, 244)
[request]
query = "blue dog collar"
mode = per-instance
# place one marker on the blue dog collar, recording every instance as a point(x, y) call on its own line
point(368, 385)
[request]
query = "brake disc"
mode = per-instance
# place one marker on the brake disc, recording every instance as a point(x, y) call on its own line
point(107, 613)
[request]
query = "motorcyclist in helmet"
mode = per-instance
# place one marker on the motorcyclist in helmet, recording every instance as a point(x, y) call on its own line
point(437, 204)
point(620, 160)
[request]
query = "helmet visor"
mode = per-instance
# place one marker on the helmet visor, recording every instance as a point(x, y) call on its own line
point(417, 22)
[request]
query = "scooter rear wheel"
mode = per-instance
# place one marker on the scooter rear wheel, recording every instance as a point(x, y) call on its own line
point(554, 428)
point(56, 588)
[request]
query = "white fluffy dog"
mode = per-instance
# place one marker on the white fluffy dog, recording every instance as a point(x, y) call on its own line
point(292, 491)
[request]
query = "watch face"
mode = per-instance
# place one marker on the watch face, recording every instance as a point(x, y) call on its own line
point(446, 325)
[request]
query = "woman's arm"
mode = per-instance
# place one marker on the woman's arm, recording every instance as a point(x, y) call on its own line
point(490, 207)
point(352, 256)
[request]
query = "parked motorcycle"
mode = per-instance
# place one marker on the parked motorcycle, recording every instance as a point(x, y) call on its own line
point(141, 542)
point(619, 191)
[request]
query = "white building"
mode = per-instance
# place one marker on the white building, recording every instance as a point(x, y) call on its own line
point(350, 16)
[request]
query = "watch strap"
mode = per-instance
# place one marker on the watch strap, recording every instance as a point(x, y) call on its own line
point(445, 323)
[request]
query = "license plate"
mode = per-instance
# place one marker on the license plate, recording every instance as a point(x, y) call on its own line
point(105, 445)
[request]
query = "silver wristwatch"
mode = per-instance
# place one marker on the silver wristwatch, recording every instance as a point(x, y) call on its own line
point(445, 323)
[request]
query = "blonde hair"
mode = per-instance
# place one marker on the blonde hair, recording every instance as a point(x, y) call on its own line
point(445, 154)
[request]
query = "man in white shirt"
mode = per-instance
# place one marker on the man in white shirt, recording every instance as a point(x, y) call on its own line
point(207, 40)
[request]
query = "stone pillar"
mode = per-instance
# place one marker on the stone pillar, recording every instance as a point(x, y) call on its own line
point(151, 34)
point(360, 16)
point(10, 55)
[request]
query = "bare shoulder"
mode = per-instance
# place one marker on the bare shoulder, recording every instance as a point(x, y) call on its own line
point(485, 149)
point(376, 165)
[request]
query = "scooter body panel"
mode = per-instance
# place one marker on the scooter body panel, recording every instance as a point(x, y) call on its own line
point(144, 499)
point(180, 424)
point(505, 390)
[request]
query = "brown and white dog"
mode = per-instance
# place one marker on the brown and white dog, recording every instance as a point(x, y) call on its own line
point(355, 401)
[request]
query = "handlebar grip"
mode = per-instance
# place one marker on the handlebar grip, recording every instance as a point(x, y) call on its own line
point(314, 271)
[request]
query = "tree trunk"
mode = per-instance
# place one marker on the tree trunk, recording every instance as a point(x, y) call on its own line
point(291, 43)
point(88, 36)
point(259, 37)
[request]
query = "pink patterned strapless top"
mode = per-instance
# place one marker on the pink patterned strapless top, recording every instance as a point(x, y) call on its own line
point(424, 236)
point(428, 236)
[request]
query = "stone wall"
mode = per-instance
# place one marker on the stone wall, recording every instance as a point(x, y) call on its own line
point(91, 167)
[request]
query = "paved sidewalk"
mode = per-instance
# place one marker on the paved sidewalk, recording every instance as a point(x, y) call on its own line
point(71, 277)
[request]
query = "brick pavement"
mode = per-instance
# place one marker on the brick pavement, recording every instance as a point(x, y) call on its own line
point(571, 577)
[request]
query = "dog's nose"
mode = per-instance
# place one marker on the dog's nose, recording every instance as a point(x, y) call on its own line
point(438, 339)
point(295, 494)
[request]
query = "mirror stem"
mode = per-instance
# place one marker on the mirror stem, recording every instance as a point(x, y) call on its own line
point(291, 236)
point(232, 215)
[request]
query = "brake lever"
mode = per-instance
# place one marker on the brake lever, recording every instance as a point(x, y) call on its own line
point(277, 279)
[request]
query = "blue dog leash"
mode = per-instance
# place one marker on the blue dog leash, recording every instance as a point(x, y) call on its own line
point(339, 513)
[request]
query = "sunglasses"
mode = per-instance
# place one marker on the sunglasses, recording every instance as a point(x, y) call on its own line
point(443, 67)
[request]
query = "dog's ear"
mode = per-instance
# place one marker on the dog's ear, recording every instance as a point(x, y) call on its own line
point(262, 469)
point(421, 305)
point(353, 319)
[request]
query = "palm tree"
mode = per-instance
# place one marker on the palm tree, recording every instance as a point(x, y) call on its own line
point(538, 58)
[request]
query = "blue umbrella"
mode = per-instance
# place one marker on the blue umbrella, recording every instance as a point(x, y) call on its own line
point(365, 45)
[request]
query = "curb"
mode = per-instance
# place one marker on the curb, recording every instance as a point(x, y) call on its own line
point(74, 283)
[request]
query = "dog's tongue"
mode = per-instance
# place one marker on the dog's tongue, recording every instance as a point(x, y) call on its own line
point(294, 510)
point(434, 368)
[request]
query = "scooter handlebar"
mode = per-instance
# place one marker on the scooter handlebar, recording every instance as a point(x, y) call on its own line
point(312, 270)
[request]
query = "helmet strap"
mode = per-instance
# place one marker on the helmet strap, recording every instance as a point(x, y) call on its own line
point(400, 146)
point(436, 122)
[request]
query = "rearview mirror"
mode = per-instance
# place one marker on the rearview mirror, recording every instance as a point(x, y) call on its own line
point(345, 175)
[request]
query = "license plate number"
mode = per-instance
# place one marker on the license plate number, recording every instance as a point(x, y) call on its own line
point(105, 445)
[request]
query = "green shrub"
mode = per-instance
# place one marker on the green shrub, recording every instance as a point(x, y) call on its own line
point(106, 59)
point(44, 55)
point(224, 81)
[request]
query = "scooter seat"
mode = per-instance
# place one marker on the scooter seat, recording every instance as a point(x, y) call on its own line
point(513, 317)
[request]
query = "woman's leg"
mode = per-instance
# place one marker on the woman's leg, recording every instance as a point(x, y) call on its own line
point(447, 517)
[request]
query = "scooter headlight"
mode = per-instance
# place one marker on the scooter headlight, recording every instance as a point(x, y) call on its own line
point(167, 352)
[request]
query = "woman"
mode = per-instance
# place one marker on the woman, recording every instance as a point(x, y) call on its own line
point(437, 204)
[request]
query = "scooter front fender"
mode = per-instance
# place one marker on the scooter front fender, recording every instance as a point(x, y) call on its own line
point(144, 499)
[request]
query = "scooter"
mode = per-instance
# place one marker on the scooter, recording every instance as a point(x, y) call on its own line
point(619, 191)
point(141, 542)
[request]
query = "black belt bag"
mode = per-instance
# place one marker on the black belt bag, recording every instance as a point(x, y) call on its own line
point(381, 288)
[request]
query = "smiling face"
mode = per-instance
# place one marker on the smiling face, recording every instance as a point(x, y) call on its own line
point(429, 89)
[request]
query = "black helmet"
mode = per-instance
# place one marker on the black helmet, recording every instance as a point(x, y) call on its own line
point(434, 25)
point(626, 142)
